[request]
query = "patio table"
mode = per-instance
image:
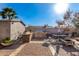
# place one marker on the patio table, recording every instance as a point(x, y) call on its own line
point(60, 36)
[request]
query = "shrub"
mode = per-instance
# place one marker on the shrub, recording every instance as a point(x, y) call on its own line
point(7, 41)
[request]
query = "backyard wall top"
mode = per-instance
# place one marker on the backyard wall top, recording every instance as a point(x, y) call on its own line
point(13, 20)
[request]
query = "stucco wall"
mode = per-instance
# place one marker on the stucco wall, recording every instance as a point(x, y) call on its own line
point(4, 29)
point(11, 29)
point(17, 28)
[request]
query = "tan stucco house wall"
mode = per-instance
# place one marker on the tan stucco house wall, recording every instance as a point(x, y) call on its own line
point(4, 29)
point(11, 28)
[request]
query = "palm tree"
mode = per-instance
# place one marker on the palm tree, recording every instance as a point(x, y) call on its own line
point(2, 14)
point(8, 13)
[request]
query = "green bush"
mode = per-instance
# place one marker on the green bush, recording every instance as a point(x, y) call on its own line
point(7, 41)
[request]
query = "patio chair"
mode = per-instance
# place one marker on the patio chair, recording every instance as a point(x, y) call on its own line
point(67, 41)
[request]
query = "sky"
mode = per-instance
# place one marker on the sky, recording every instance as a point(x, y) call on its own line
point(39, 14)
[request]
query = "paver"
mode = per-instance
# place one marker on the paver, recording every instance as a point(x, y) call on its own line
point(35, 49)
point(8, 50)
point(5, 52)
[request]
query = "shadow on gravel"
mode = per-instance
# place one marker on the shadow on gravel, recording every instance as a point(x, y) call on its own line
point(45, 44)
point(70, 49)
point(14, 46)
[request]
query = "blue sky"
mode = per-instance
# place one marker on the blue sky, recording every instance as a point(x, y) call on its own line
point(37, 13)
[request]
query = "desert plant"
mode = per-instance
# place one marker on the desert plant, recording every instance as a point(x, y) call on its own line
point(7, 41)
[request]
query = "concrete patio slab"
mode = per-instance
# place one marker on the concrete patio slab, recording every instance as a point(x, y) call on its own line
point(35, 49)
point(17, 50)
point(5, 52)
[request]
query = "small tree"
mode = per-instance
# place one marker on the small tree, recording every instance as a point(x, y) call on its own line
point(67, 15)
point(76, 20)
point(68, 18)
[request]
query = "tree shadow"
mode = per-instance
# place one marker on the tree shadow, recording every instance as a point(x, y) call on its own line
point(45, 44)
point(70, 49)
point(11, 47)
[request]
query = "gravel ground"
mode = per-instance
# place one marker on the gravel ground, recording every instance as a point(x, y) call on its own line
point(66, 51)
